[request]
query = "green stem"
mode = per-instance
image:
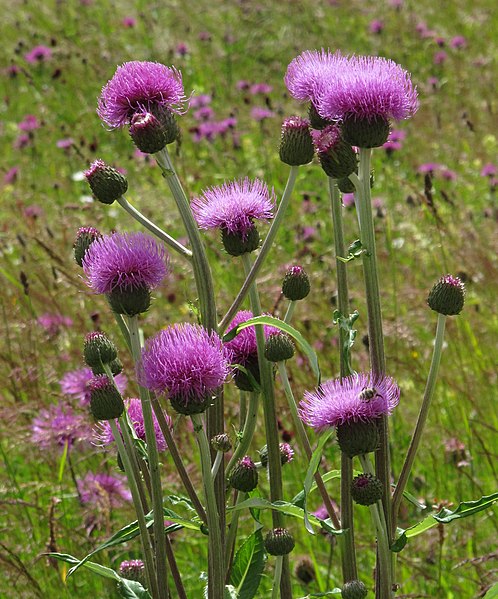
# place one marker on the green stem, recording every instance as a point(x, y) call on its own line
point(247, 433)
point(232, 532)
point(348, 554)
point(263, 252)
point(144, 533)
point(277, 575)
point(290, 311)
point(153, 458)
point(124, 329)
point(383, 551)
point(270, 418)
point(217, 462)
point(153, 228)
point(304, 442)
point(422, 418)
point(175, 573)
point(216, 583)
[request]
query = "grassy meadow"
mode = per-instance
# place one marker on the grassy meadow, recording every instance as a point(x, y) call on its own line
point(426, 226)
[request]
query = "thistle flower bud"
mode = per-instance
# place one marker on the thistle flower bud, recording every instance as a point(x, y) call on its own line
point(244, 476)
point(366, 133)
point(447, 296)
point(345, 185)
point(279, 541)
point(357, 438)
point(278, 347)
point(84, 238)
point(366, 489)
point(147, 133)
point(116, 367)
point(133, 569)
point(354, 589)
point(240, 378)
point(286, 454)
point(107, 184)
point(98, 349)
point(221, 442)
point(296, 284)
point(296, 143)
point(106, 402)
point(130, 301)
point(236, 244)
point(188, 406)
point(337, 157)
point(305, 571)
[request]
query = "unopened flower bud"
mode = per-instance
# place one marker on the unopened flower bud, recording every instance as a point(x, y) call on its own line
point(366, 489)
point(98, 349)
point(366, 133)
point(286, 454)
point(130, 301)
point(147, 133)
point(242, 380)
point(354, 589)
point(345, 185)
point(133, 569)
point(296, 284)
point(358, 438)
point(106, 402)
point(116, 367)
point(106, 183)
point(296, 143)
point(221, 442)
point(279, 541)
point(244, 476)
point(305, 571)
point(84, 238)
point(337, 157)
point(447, 296)
point(237, 244)
point(278, 347)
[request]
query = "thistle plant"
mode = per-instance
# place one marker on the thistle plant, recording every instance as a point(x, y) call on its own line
point(217, 366)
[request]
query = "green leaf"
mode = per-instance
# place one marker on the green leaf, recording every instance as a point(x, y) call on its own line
point(346, 324)
point(282, 326)
point(299, 498)
point(444, 516)
point(355, 250)
point(248, 566)
point(97, 568)
point(312, 468)
point(131, 589)
point(230, 592)
point(286, 508)
point(62, 464)
point(492, 592)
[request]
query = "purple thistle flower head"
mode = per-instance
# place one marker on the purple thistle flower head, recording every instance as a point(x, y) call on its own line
point(368, 88)
point(489, 170)
point(243, 347)
point(125, 261)
point(104, 436)
point(458, 42)
point(234, 206)
point(310, 72)
point(103, 490)
point(357, 398)
point(58, 426)
point(38, 54)
point(75, 384)
point(186, 362)
point(140, 87)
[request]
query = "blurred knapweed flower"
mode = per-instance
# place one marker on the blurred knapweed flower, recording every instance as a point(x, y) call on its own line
point(58, 426)
point(233, 207)
point(104, 436)
point(244, 350)
point(103, 490)
point(187, 363)
point(126, 267)
point(75, 384)
point(352, 405)
point(139, 87)
point(53, 323)
point(38, 54)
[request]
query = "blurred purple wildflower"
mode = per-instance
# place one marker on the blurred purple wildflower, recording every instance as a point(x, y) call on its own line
point(75, 384)
point(368, 87)
point(200, 101)
point(489, 170)
point(234, 206)
point(348, 199)
point(11, 175)
point(139, 87)
point(29, 123)
point(260, 88)
point(440, 57)
point(184, 361)
point(103, 433)
point(260, 113)
point(125, 261)
point(52, 323)
point(204, 113)
point(22, 141)
point(448, 174)
point(103, 490)
point(376, 26)
point(128, 22)
point(59, 425)
point(65, 144)
point(458, 42)
point(339, 401)
point(429, 167)
point(242, 84)
point(182, 49)
point(38, 54)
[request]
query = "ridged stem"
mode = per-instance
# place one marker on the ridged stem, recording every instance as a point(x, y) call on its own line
point(264, 250)
point(348, 553)
point(422, 418)
point(216, 584)
point(247, 433)
point(277, 576)
point(155, 476)
point(271, 428)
